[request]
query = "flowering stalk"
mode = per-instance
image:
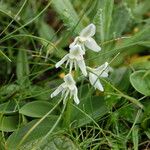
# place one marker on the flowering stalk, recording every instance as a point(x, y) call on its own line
point(75, 59)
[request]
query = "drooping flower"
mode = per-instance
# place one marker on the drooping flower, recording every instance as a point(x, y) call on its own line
point(75, 59)
point(85, 39)
point(96, 73)
point(68, 89)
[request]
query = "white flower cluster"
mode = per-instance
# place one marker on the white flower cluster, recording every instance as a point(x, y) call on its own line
point(75, 59)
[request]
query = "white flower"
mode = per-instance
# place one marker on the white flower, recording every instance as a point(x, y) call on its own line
point(67, 88)
point(94, 75)
point(85, 39)
point(74, 58)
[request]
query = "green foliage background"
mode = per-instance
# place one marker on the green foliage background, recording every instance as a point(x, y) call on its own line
point(34, 35)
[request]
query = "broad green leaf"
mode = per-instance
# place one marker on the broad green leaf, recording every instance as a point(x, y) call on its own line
point(25, 135)
point(9, 107)
point(36, 109)
point(141, 63)
point(57, 142)
point(40, 93)
point(140, 80)
point(8, 123)
point(94, 107)
point(8, 90)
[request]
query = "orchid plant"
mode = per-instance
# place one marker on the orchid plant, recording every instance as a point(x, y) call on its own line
point(75, 59)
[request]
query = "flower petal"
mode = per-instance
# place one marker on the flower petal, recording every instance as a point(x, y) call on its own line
point(57, 91)
point(95, 82)
point(91, 44)
point(75, 96)
point(88, 31)
point(92, 78)
point(103, 70)
point(69, 81)
point(99, 86)
point(65, 97)
point(71, 66)
point(76, 51)
point(102, 67)
point(82, 67)
point(58, 64)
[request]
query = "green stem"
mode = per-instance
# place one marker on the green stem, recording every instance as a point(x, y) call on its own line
point(67, 116)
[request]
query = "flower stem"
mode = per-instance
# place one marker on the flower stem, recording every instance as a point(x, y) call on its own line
point(67, 115)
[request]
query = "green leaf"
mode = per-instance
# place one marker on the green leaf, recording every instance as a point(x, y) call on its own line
point(36, 109)
point(148, 133)
point(45, 30)
point(8, 123)
point(132, 3)
point(119, 21)
point(67, 13)
point(120, 78)
point(94, 107)
point(8, 108)
point(21, 134)
point(140, 80)
point(7, 91)
point(142, 8)
point(57, 142)
point(6, 57)
point(145, 43)
point(2, 142)
point(103, 18)
point(129, 113)
point(22, 68)
point(40, 93)
point(135, 137)
point(141, 63)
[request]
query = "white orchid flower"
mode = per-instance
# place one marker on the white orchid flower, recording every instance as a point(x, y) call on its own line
point(96, 73)
point(67, 88)
point(85, 39)
point(74, 58)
